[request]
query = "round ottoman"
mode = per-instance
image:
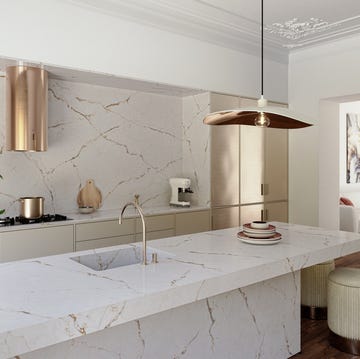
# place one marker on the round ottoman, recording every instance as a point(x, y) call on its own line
point(314, 290)
point(344, 309)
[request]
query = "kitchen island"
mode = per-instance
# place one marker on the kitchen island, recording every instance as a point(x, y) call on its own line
point(210, 296)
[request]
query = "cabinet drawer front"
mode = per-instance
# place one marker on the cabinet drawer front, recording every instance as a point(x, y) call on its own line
point(225, 165)
point(16, 245)
point(192, 222)
point(225, 217)
point(277, 211)
point(104, 229)
point(156, 223)
point(252, 212)
point(105, 242)
point(156, 234)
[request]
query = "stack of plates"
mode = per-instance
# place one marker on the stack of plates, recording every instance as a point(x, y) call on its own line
point(265, 235)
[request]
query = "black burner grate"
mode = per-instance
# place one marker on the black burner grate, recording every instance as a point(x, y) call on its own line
point(11, 221)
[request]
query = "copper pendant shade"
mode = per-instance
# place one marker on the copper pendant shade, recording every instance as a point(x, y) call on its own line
point(26, 108)
point(278, 117)
point(262, 115)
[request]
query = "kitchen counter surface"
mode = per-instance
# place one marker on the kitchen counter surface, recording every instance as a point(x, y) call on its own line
point(104, 215)
point(53, 299)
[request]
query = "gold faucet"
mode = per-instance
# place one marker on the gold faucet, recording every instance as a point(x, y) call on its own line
point(138, 208)
point(136, 199)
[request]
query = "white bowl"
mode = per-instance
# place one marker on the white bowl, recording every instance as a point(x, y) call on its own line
point(259, 225)
point(86, 210)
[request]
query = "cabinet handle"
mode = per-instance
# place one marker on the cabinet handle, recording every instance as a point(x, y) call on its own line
point(262, 189)
point(262, 215)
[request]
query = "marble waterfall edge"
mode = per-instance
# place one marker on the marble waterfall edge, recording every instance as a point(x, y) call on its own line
point(240, 324)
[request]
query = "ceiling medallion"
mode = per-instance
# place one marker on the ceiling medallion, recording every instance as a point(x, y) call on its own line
point(294, 29)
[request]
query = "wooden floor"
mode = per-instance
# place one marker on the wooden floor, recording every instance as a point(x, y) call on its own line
point(314, 333)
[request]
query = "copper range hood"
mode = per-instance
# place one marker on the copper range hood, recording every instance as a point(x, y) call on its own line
point(26, 108)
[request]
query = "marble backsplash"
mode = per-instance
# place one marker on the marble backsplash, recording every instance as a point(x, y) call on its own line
point(196, 146)
point(127, 141)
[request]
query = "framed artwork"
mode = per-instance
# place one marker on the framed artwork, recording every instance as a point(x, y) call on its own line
point(353, 147)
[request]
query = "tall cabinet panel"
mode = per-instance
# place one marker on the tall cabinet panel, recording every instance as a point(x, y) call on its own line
point(224, 156)
point(252, 212)
point(225, 217)
point(276, 165)
point(267, 211)
point(251, 164)
point(225, 184)
point(276, 211)
point(249, 170)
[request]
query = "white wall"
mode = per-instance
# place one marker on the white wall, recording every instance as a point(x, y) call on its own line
point(319, 73)
point(58, 33)
point(328, 156)
point(351, 190)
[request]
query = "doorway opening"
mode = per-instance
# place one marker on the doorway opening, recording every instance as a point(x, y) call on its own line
point(333, 162)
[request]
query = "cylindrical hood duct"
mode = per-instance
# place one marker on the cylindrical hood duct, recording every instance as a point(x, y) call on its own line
point(26, 108)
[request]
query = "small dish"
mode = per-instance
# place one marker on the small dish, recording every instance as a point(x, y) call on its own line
point(270, 229)
point(86, 210)
point(273, 237)
point(259, 235)
point(259, 241)
point(259, 225)
point(276, 238)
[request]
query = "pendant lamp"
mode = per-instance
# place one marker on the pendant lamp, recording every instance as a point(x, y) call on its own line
point(261, 115)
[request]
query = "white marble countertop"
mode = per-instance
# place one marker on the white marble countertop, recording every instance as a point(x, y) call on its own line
point(53, 299)
point(104, 215)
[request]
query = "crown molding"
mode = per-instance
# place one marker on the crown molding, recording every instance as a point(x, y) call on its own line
point(299, 34)
point(205, 22)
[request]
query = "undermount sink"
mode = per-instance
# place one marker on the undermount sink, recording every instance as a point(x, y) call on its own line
point(118, 258)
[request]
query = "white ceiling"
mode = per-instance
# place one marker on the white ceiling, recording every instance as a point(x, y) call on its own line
point(236, 23)
point(306, 21)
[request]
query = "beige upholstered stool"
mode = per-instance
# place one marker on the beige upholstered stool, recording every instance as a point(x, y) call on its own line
point(314, 290)
point(344, 309)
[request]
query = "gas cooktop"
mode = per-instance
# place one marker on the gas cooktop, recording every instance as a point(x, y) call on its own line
point(13, 221)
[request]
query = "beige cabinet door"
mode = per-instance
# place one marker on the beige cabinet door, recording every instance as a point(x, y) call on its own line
point(276, 165)
point(30, 243)
point(192, 222)
point(104, 229)
point(156, 235)
point(225, 217)
point(225, 165)
point(156, 223)
point(277, 211)
point(251, 164)
point(264, 162)
point(104, 242)
point(251, 160)
point(253, 212)
point(224, 155)
point(220, 102)
point(104, 234)
point(157, 227)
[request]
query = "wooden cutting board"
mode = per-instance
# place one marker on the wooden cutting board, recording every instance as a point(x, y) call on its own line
point(89, 195)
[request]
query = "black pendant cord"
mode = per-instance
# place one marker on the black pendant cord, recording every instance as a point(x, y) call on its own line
point(262, 47)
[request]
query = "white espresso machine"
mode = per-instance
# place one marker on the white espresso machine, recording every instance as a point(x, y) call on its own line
point(179, 186)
